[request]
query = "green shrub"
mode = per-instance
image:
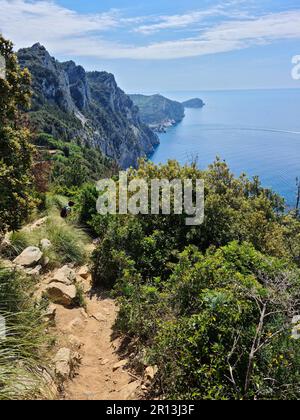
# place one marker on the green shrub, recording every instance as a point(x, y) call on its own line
point(193, 297)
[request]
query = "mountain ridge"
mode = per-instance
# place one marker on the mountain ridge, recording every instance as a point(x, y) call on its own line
point(85, 107)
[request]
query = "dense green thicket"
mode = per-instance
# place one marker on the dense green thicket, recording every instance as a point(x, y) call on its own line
point(210, 305)
point(15, 149)
point(72, 165)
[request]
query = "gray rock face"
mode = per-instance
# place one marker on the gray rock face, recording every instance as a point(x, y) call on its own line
point(90, 106)
point(29, 257)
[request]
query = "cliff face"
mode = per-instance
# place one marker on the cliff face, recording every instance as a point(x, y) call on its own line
point(158, 111)
point(72, 104)
point(193, 103)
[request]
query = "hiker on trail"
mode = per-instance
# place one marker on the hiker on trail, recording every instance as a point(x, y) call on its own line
point(67, 210)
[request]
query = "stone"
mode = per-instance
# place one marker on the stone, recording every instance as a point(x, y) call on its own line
point(83, 313)
point(104, 362)
point(120, 364)
point(63, 364)
point(99, 317)
point(45, 244)
point(29, 257)
point(75, 342)
point(61, 294)
point(150, 372)
point(64, 275)
point(45, 261)
point(84, 272)
point(129, 391)
point(50, 313)
point(85, 284)
point(36, 271)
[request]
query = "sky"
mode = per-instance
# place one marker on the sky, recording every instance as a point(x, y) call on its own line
point(166, 45)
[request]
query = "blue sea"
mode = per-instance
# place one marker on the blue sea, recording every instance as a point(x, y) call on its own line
point(256, 132)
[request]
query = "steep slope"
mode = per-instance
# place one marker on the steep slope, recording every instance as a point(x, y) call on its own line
point(157, 111)
point(89, 108)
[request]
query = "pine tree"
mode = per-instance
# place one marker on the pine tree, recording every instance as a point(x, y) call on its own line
point(15, 149)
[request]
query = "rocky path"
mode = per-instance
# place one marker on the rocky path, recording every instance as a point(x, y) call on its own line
point(101, 374)
point(85, 362)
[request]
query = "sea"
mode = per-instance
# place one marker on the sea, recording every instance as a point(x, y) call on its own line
point(256, 132)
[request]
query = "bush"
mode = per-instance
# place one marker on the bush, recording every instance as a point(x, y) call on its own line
point(211, 305)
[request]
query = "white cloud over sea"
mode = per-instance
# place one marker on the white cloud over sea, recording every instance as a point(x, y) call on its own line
point(219, 29)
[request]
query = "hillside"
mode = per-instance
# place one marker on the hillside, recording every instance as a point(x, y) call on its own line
point(89, 108)
point(157, 111)
point(193, 103)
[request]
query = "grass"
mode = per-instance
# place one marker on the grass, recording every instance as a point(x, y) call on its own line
point(68, 241)
point(23, 352)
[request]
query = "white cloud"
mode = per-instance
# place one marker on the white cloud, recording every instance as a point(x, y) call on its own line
point(227, 9)
point(73, 34)
point(28, 21)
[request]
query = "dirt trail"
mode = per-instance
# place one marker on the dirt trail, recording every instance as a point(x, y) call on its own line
point(90, 333)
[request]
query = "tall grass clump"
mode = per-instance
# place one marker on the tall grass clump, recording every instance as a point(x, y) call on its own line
point(68, 241)
point(23, 350)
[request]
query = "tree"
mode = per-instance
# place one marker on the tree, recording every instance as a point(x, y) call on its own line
point(15, 149)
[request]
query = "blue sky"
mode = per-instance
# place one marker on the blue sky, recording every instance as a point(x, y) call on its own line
point(166, 45)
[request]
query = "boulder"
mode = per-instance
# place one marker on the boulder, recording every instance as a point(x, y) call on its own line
point(64, 275)
point(29, 257)
point(63, 364)
point(45, 244)
point(36, 271)
point(50, 313)
point(61, 294)
point(150, 372)
point(120, 364)
point(75, 342)
point(45, 261)
point(129, 391)
point(84, 272)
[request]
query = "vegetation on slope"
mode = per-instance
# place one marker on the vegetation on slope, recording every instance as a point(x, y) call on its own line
point(156, 109)
point(15, 149)
point(211, 305)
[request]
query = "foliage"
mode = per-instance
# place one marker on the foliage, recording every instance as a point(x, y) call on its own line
point(68, 241)
point(212, 304)
point(15, 149)
point(72, 163)
point(24, 351)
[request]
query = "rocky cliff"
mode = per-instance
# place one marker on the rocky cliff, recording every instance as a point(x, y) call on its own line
point(89, 108)
point(157, 111)
point(194, 103)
